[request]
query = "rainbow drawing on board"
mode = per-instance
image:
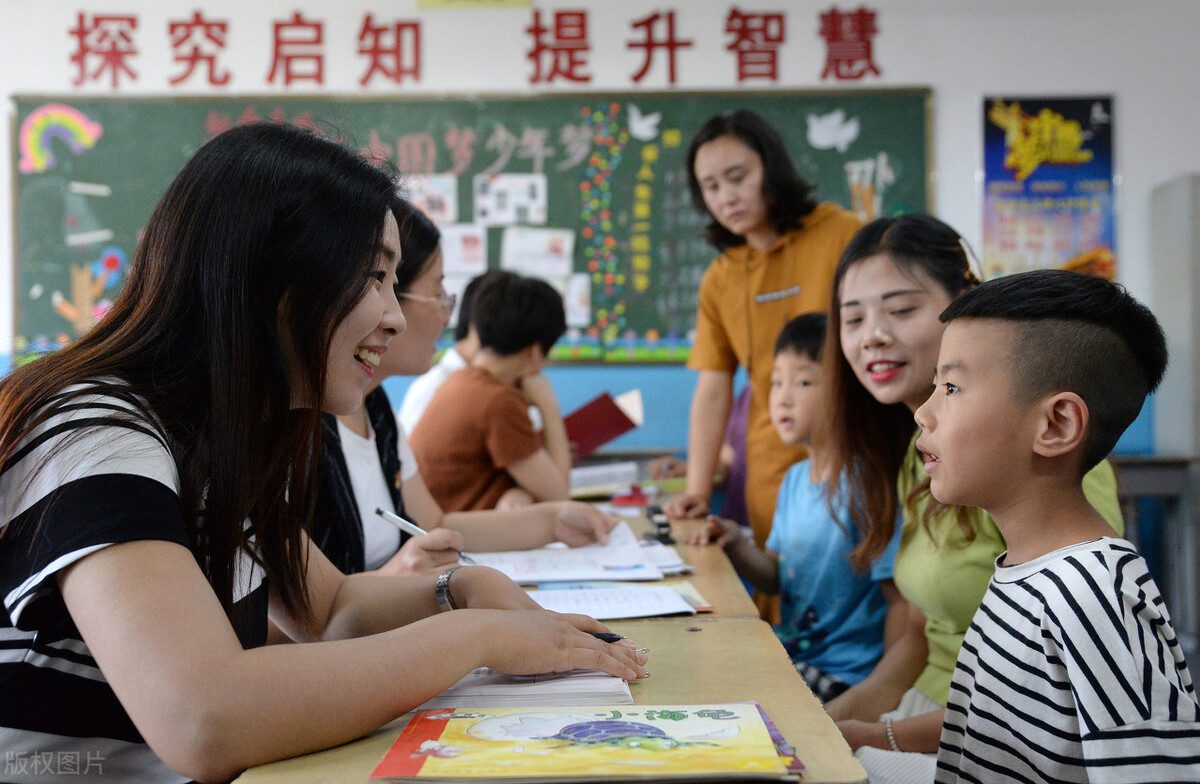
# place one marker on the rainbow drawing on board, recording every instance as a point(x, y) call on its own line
point(54, 120)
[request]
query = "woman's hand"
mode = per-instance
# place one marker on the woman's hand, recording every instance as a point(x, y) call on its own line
point(716, 530)
point(435, 550)
point(576, 524)
point(687, 505)
point(485, 588)
point(863, 733)
point(527, 643)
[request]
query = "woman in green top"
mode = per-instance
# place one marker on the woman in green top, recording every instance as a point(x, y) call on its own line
point(895, 277)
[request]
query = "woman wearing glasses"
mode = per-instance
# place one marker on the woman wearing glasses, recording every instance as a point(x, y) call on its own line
point(367, 463)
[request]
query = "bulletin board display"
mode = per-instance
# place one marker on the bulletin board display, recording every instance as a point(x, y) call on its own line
point(585, 190)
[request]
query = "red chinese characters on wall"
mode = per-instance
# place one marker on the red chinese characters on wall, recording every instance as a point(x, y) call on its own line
point(849, 38)
point(652, 29)
point(195, 44)
point(394, 50)
point(565, 53)
point(755, 39)
point(298, 51)
point(105, 48)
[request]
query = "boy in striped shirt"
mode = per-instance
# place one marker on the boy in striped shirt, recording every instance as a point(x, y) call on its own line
point(1071, 670)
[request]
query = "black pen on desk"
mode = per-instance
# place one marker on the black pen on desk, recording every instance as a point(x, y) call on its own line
point(606, 636)
point(409, 527)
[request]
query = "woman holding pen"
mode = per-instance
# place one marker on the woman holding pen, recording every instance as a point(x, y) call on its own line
point(157, 475)
point(367, 464)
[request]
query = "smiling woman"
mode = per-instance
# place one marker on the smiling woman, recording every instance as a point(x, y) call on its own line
point(366, 461)
point(895, 278)
point(157, 477)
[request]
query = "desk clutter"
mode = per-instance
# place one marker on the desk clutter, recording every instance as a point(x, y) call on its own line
point(622, 558)
point(642, 743)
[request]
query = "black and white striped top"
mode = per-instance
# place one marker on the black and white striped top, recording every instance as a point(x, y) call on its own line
point(1071, 671)
point(107, 483)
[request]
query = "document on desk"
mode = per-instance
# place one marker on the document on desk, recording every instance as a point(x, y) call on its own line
point(485, 687)
point(621, 559)
point(605, 604)
point(588, 743)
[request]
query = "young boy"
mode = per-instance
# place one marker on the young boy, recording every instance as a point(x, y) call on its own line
point(1070, 670)
point(475, 444)
point(833, 617)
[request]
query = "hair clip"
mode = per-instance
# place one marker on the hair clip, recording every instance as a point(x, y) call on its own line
point(974, 271)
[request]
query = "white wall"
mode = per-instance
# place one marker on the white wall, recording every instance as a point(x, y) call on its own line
point(1146, 55)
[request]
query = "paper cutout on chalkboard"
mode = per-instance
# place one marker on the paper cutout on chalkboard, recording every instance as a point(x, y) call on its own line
point(540, 253)
point(436, 195)
point(578, 300)
point(826, 131)
point(464, 250)
point(868, 179)
point(643, 127)
point(54, 121)
point(510, 199)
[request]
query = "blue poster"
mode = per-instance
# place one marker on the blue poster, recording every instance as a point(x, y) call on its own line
point(1048, 196)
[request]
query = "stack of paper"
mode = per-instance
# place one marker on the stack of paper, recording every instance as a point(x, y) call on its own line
point(626, 601)
point(487, 688)
point(665, 558)
point(623, 558)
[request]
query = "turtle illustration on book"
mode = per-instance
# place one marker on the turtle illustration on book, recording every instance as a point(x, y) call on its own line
point(630, 734)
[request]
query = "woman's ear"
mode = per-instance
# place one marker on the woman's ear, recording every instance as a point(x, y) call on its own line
point(1062, 425)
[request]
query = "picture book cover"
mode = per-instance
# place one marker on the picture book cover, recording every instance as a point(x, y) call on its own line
point(602, 419)
point(643, 743)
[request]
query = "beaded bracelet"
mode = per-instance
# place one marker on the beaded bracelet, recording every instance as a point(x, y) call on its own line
point(891, 736)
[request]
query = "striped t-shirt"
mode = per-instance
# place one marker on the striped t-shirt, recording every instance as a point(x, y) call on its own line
point(1071, 671)
point(107, 483)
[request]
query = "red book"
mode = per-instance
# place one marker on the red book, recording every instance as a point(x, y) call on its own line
point(602, 419)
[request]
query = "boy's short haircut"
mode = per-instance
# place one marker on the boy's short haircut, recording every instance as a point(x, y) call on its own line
point(514, 312)
point(467, 303)
point(1075, 333)
point(803, 335)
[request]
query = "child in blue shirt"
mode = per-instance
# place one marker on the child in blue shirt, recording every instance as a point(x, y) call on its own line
point(833, 616)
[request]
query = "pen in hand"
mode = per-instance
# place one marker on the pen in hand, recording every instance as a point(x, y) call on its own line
point(606, 636)
point(410, 527)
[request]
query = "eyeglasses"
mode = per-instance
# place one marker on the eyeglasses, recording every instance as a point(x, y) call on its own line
point(445, 299)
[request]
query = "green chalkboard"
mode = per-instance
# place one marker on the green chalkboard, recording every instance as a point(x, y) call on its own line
point(587, 189)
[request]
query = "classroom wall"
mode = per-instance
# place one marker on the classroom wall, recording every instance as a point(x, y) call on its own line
point(1135, 52)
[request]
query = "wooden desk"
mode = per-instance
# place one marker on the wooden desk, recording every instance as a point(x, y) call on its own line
point(726, 660)
point(714, 576)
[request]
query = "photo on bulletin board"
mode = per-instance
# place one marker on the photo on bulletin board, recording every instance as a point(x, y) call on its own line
point(587, 190)
point(1048, 185)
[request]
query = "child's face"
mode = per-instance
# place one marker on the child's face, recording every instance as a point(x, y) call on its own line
point(975, 435)
point(730, 174)
point(794, 397)
point(889, 328)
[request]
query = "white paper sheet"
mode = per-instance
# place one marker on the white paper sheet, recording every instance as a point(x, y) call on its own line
point(621, 559)
point(627, 601)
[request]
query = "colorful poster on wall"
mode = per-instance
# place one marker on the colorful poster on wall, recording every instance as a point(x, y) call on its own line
point(1048, 196)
